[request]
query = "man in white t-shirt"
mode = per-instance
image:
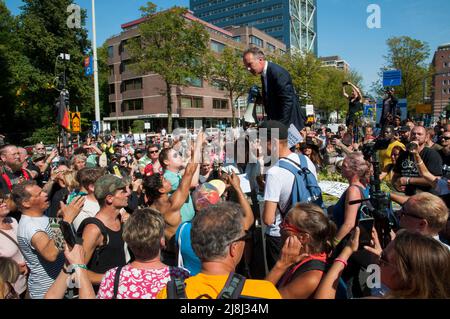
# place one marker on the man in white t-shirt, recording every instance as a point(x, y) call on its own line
point(87, 178)
point(36, 238)
point(279, 183)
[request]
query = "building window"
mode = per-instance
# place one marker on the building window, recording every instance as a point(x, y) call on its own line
point(110, 52)
point(133, 105)
point(220, 104)
point(129, 85)
point(270, 47)
point(191, 102)
point(256, 41)
point(195, 82)
point(217, 46)
point(237, 38)
point(219, 85)
point(111, 70)
point(112, 107)
point(126, 66)
point(112, 88)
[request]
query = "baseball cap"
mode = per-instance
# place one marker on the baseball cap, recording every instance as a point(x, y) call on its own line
point(404, 129)
point(107, 185)
point(148, 170)
point(272, 126)
point(219, 184)
point(205, 195)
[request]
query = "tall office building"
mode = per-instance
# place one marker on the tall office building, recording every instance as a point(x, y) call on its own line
point(293, 22)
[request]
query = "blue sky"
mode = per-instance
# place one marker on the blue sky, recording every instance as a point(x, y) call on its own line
point(342, 28)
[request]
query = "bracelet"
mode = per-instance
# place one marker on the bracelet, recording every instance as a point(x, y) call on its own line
point(336, 242)
point(82, 266)
point(407, 180)
point(420, 163)
point(344, 262)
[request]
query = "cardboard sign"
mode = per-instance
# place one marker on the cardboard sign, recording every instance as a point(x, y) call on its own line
point(294, 136)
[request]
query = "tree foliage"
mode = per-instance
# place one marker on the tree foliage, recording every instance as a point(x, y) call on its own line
point(34, 40)
point(408, 55)
point(225, 69)
point(170, 46)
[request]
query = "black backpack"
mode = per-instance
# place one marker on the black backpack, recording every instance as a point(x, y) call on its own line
point(176, 288)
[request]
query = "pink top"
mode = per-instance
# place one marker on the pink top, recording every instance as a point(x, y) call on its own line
point(138, 283)
point(10, 250)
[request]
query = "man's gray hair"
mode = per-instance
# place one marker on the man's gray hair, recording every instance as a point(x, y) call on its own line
point(214, 229)
point(257, 53)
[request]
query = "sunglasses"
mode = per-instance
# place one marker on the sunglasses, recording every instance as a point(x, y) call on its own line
point(403, 213)
point(153, 152)
point(446, 138)
point(285, 226)
point(40, 149)
point(245, 237)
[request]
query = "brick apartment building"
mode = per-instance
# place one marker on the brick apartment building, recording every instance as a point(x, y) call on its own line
point(142, 97)
point(441, 80)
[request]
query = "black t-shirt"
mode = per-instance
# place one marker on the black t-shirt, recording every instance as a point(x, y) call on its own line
point(406, 167)
point(14, 178)
point(353, 107)
point(445, 158)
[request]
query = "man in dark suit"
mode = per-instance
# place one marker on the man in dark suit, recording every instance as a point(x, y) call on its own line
point(390, 109)
point(279, 98)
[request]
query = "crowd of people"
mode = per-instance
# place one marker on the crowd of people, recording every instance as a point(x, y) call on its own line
point(186, 216)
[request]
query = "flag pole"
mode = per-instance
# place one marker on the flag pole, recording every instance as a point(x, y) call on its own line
point(94, 49)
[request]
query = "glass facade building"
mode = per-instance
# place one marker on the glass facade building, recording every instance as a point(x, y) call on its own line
point(293, 22)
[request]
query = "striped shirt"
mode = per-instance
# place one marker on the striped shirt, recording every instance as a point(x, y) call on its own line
point(42, 272)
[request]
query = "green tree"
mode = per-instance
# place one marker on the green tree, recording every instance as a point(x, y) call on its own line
point(170, 46)
point(43, 34)
point(138, 126)
point(226, 69)
point(8, 58)
point(408, 55)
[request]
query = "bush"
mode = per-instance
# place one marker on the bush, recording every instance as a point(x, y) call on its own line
point(48, 135)
point(138, 126)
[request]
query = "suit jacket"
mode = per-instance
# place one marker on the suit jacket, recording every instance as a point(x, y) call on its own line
point(281, 103)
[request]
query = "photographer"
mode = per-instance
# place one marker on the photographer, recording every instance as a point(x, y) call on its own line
point(406, 175)
point(354, 103)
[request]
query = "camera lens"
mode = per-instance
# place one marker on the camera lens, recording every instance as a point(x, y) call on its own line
point(411, 147)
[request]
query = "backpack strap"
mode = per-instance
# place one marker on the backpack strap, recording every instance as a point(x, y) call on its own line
point(116, 281)
point(300, 268)
point(233, 287)
point(25, 174)
point(176, 288)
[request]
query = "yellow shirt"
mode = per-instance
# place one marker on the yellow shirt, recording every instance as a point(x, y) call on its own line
point(385, 155)
point(202, 284)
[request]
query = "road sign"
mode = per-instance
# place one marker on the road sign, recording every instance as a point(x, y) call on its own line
point(392, 78)
point(95, 127)
point(147, 126)
point(75, 122)
point(88, 66)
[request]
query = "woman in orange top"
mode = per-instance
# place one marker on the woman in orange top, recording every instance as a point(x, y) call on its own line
point(307, 234)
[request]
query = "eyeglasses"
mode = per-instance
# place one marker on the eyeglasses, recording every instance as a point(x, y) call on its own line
point(243, 238)
point(446, 138)
point(403, 213)
point(40, 148)
point(153, 152)
point(123, 162)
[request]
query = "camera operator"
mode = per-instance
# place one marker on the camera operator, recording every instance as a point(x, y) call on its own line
point(406, 175)
point(389, 108)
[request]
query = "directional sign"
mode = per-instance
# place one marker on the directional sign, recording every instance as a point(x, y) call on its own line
point(75, 122)
point(95, 128)
point(392, 78)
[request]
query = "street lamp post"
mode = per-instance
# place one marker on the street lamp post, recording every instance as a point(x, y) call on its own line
point(94, 49)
